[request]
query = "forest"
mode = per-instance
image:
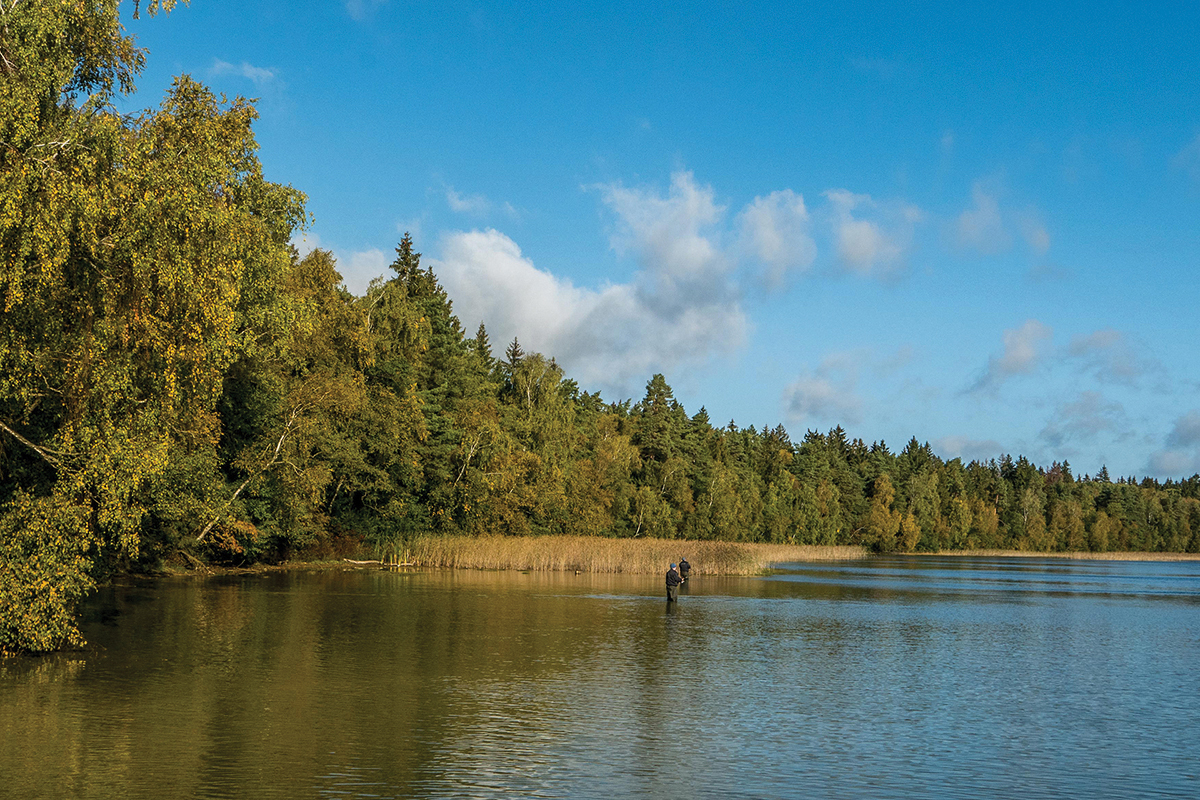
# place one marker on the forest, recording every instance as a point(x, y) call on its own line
point(177, 383)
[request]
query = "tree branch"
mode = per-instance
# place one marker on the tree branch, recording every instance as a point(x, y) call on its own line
point(274, 459)
point(51, 460)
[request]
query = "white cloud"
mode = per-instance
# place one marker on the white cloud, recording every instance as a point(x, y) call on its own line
point(1023, 348)
point(259, 75)
point(467, 204)
point(681, 234)
point(1188, 159)
point(674, 237)
point(305, 242)
point(413, 226)
point(775, 229)
point(869, 246)
point(613, 337)
point(683, 306)
point(981, 227)
point(478, 205)
point(358, 268)
point(826, 394)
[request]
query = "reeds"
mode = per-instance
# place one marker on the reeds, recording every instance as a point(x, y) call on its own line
point(598, 554)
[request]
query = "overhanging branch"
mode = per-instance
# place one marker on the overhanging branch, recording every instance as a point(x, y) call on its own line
point(41, 451)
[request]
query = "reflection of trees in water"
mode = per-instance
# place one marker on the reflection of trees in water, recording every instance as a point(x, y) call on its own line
point(419, 684)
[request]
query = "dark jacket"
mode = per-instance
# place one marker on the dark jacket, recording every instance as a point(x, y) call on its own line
point(673, 578)
point(684, 569)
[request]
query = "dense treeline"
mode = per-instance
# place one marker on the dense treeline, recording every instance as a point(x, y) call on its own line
point(176, 382)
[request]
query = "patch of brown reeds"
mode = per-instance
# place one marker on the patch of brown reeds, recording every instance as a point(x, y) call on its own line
point(1079, 555)
point(598, 554)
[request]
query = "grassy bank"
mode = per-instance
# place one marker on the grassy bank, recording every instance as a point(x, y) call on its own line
point(595, 554)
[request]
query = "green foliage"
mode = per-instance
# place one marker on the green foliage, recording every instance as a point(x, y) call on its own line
point(138, 260)
point(174, 378)
point(44, 573)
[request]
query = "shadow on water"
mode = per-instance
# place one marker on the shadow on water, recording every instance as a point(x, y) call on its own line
point(887, 678)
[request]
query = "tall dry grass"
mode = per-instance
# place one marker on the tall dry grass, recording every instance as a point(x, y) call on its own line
point(597, 554)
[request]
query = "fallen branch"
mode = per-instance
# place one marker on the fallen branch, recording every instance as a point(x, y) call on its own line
point(197, 564)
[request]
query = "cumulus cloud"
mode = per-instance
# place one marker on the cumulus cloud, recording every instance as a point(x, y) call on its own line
point(867, 246)
point(258, 75)
point(981, 227)
point(612, 337)
point(359, 267)
point(1180, 455)
point(674, 237)
point(1082, 420)
point(775, 230)
point(686, 231)
point(1023, 349)
point(683, 306)
point(825, 394)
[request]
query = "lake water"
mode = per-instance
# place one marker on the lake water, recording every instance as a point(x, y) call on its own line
point(885, 678)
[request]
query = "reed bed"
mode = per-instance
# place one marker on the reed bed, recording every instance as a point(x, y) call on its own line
point(597, 554)
point(1080, 555)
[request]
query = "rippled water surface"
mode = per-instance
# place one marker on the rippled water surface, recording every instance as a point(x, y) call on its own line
point(887, 678)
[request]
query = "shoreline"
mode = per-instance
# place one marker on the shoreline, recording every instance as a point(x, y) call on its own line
point(1078, 555)
point(599, 555)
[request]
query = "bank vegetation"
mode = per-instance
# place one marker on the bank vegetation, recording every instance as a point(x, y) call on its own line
point(601, 554)
point(177, 383)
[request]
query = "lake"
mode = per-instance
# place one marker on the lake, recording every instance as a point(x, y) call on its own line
point(883, 678)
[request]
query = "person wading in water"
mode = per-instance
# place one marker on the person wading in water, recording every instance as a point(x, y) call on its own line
point(673, 581)
point(685, 569)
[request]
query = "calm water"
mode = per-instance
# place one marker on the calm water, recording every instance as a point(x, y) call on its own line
point(932, 678)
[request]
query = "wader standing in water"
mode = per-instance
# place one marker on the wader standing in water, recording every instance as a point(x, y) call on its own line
point(685, 569)
point(673, 581)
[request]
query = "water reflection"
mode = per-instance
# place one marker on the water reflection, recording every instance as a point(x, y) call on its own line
point(888, 678)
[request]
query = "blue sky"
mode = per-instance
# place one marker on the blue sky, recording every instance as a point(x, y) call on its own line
point(975, 224)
